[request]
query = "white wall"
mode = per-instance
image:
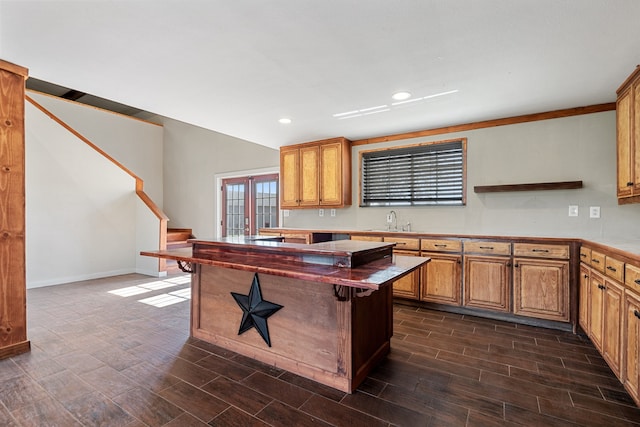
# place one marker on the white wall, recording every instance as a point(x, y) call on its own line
point(78, 208)
point(566, 149)
point(136, 144)
point(193, 157)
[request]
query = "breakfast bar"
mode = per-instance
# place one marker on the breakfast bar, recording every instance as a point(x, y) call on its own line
point(322, 311)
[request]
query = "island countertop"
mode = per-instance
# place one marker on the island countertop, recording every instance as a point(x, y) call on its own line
point(365, 265)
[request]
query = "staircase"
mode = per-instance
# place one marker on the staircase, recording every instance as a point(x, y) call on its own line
point(177, 238)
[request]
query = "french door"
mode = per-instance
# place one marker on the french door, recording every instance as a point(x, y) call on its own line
point(248, 204)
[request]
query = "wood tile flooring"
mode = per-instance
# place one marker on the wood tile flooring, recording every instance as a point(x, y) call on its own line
point(100, 357)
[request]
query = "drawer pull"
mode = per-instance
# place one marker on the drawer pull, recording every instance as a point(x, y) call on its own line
point(595, 260)
point(636, 313)
point(540, 250)
point(611, 268)
point(583, 255)
point(601, 287)
point(486, 247)
point(629, 184)
point(440, 246)
point(637, 281)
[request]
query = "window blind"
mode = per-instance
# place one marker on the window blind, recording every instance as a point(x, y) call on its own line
point(414, 176)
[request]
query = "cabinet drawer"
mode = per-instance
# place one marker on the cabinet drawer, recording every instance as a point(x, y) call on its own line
point(367, 238)
point(403, 244)
point(614, 268)
point(437, 245)
point(585, 255)
point(632, 277)
point(491, 248)
point(541, 251)
point(597, 261)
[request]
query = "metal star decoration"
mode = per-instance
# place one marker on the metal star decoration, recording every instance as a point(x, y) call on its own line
point(255, 310)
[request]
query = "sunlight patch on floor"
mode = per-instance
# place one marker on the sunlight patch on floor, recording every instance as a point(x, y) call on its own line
point(161, 300)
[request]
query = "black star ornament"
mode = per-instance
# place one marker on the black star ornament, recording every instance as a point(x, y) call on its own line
point(255, 310)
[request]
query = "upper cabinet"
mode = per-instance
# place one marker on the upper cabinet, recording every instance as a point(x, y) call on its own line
point(628, 139)
point(316, 174)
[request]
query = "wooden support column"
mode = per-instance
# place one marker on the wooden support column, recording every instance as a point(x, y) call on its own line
point(13, 289)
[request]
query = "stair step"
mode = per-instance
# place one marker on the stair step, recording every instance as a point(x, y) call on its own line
point(178, 234)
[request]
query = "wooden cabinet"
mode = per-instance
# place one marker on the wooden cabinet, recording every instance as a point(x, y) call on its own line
point(316, 174)
point(487, 275)
point(13, 315)
point(628, 139)
point(409, 285)
point(607, 310)
point(442, 276)
point(583, 310)
point(596, 309)
point(612, 307)
point(541, 282)
point(631, 345)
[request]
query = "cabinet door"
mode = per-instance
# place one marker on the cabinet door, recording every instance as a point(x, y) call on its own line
point(442, 279)
point(541, 288)
point(612, 325)
point(631, 345)
point(583, 303)
point(635, 140)
point(486, 283)
point(309, 163)
point(624, 143)
point(596, 299)
point(289, 178)
point(331, 174)
point(409, 285)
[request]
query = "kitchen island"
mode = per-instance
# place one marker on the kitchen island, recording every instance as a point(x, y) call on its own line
point(322, 311)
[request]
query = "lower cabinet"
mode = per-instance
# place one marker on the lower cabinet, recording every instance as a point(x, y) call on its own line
point(442, 278)
point(596, 309)
point(409, 285)
point(487, 282)
point(583, 309)
point(631, 339)
point(541, 288)
point(612, 328)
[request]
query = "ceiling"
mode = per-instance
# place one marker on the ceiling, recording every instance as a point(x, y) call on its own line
point(237, 67)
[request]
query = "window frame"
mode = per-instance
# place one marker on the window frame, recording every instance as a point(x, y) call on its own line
point(463, 200)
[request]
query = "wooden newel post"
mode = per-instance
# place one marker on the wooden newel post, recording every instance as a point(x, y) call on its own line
point(13, 286)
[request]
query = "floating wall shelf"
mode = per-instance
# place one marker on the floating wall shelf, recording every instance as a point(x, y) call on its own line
point(565, 185)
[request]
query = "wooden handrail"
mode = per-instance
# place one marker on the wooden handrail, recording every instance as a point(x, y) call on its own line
point(139, 182)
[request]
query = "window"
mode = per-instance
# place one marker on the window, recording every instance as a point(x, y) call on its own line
point(417, 175)
point(249, 203)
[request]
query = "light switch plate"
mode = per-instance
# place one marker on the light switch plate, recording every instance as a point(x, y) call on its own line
point(333, 212)
point(594, 212)
point(573, 210)
point(320, 212)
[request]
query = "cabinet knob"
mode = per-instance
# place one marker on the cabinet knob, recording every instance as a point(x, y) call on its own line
point(636, 313)
point(586, 276)
point(601, 287)
point(516, 265)
point(637, 281)
point(629, 184)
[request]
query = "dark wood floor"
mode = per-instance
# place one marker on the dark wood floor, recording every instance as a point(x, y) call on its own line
point(106, 359)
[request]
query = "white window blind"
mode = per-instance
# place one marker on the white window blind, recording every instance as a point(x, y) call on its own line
point(414, 176)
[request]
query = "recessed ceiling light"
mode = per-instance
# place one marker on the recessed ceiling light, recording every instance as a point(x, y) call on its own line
point(285, 121)
point(401, 96)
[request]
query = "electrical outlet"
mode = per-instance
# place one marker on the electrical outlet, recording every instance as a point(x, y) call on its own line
point(320, 212)
point(389, 218)
point(333, 212)
point(573, 210)
point(594, 212)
